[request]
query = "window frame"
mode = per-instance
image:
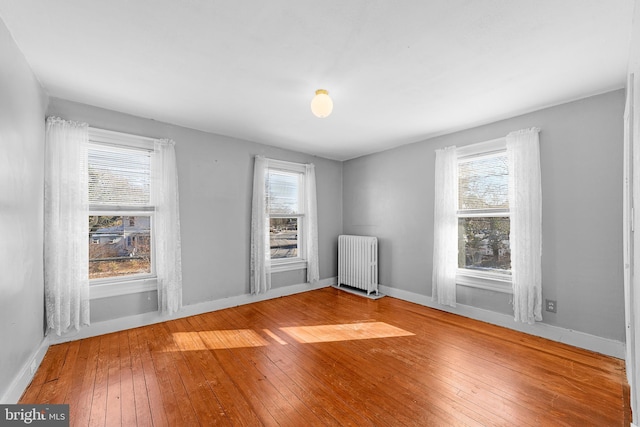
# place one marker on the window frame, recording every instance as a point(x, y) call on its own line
point(493, 281)
point(300, 261)
point(134, 283)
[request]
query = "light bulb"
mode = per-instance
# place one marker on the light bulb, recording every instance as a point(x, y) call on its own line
point(321, 104)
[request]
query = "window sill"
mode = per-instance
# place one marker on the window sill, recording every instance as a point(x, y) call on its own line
point(117, 288)
point(288, 266)
point(485, 281)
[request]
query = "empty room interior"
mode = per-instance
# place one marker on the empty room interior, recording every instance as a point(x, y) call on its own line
point(320, 213)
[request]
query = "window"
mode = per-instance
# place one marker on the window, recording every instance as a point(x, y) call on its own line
point(488, 221)
point(284, 189)
point(484, 254)
point(284, 225)
point(121, 213)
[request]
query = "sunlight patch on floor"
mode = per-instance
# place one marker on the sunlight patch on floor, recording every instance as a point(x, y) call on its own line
point(216, 340)
point(344, 332)
point(245, 338)
point(234, 338)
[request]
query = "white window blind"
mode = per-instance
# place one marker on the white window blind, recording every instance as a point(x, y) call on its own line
point(119, 176)
point(483, 183)
point(283, 192)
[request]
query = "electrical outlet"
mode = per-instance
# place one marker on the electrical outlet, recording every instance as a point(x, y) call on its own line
point(552, 305)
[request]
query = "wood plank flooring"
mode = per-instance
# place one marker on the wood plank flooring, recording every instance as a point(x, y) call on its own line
point(327, 357)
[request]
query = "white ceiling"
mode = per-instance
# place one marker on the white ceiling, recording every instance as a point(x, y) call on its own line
point(398, 71)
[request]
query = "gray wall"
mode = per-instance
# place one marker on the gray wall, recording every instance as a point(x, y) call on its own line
point(22, 106)
point(390, 195)
point(215, 176)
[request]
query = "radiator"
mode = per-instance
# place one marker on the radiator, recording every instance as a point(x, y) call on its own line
point(358, 262)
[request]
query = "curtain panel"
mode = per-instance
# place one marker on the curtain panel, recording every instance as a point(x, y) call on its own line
point(311, 227)
point(66, 232)
point(260, 251)
point(525, 238)
point(445, 227)
point(168, 250)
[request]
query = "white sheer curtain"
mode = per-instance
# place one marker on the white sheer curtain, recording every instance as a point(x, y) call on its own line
point(260, 251)
point(66, 226)
point(445, 227)
point(525, 238)
point(168, 257)
point(311, 224)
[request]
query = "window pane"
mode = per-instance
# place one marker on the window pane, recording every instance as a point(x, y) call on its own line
point(283, 237)
point(119, 176)
point(483, 244)
point(483, 183)
point(282, 192)
point(119, 246)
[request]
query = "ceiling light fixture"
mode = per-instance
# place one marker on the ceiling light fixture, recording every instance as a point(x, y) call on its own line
point(321, 104)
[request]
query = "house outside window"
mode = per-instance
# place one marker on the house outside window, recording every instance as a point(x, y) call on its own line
point(284, 189)
point(120, 209)
point(484, 253)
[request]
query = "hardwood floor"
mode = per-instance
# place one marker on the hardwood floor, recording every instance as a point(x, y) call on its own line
point(327, 357)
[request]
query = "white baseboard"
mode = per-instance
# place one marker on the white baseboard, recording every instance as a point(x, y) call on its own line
point(25, 375)
point(129, 322)
point(555, 333)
